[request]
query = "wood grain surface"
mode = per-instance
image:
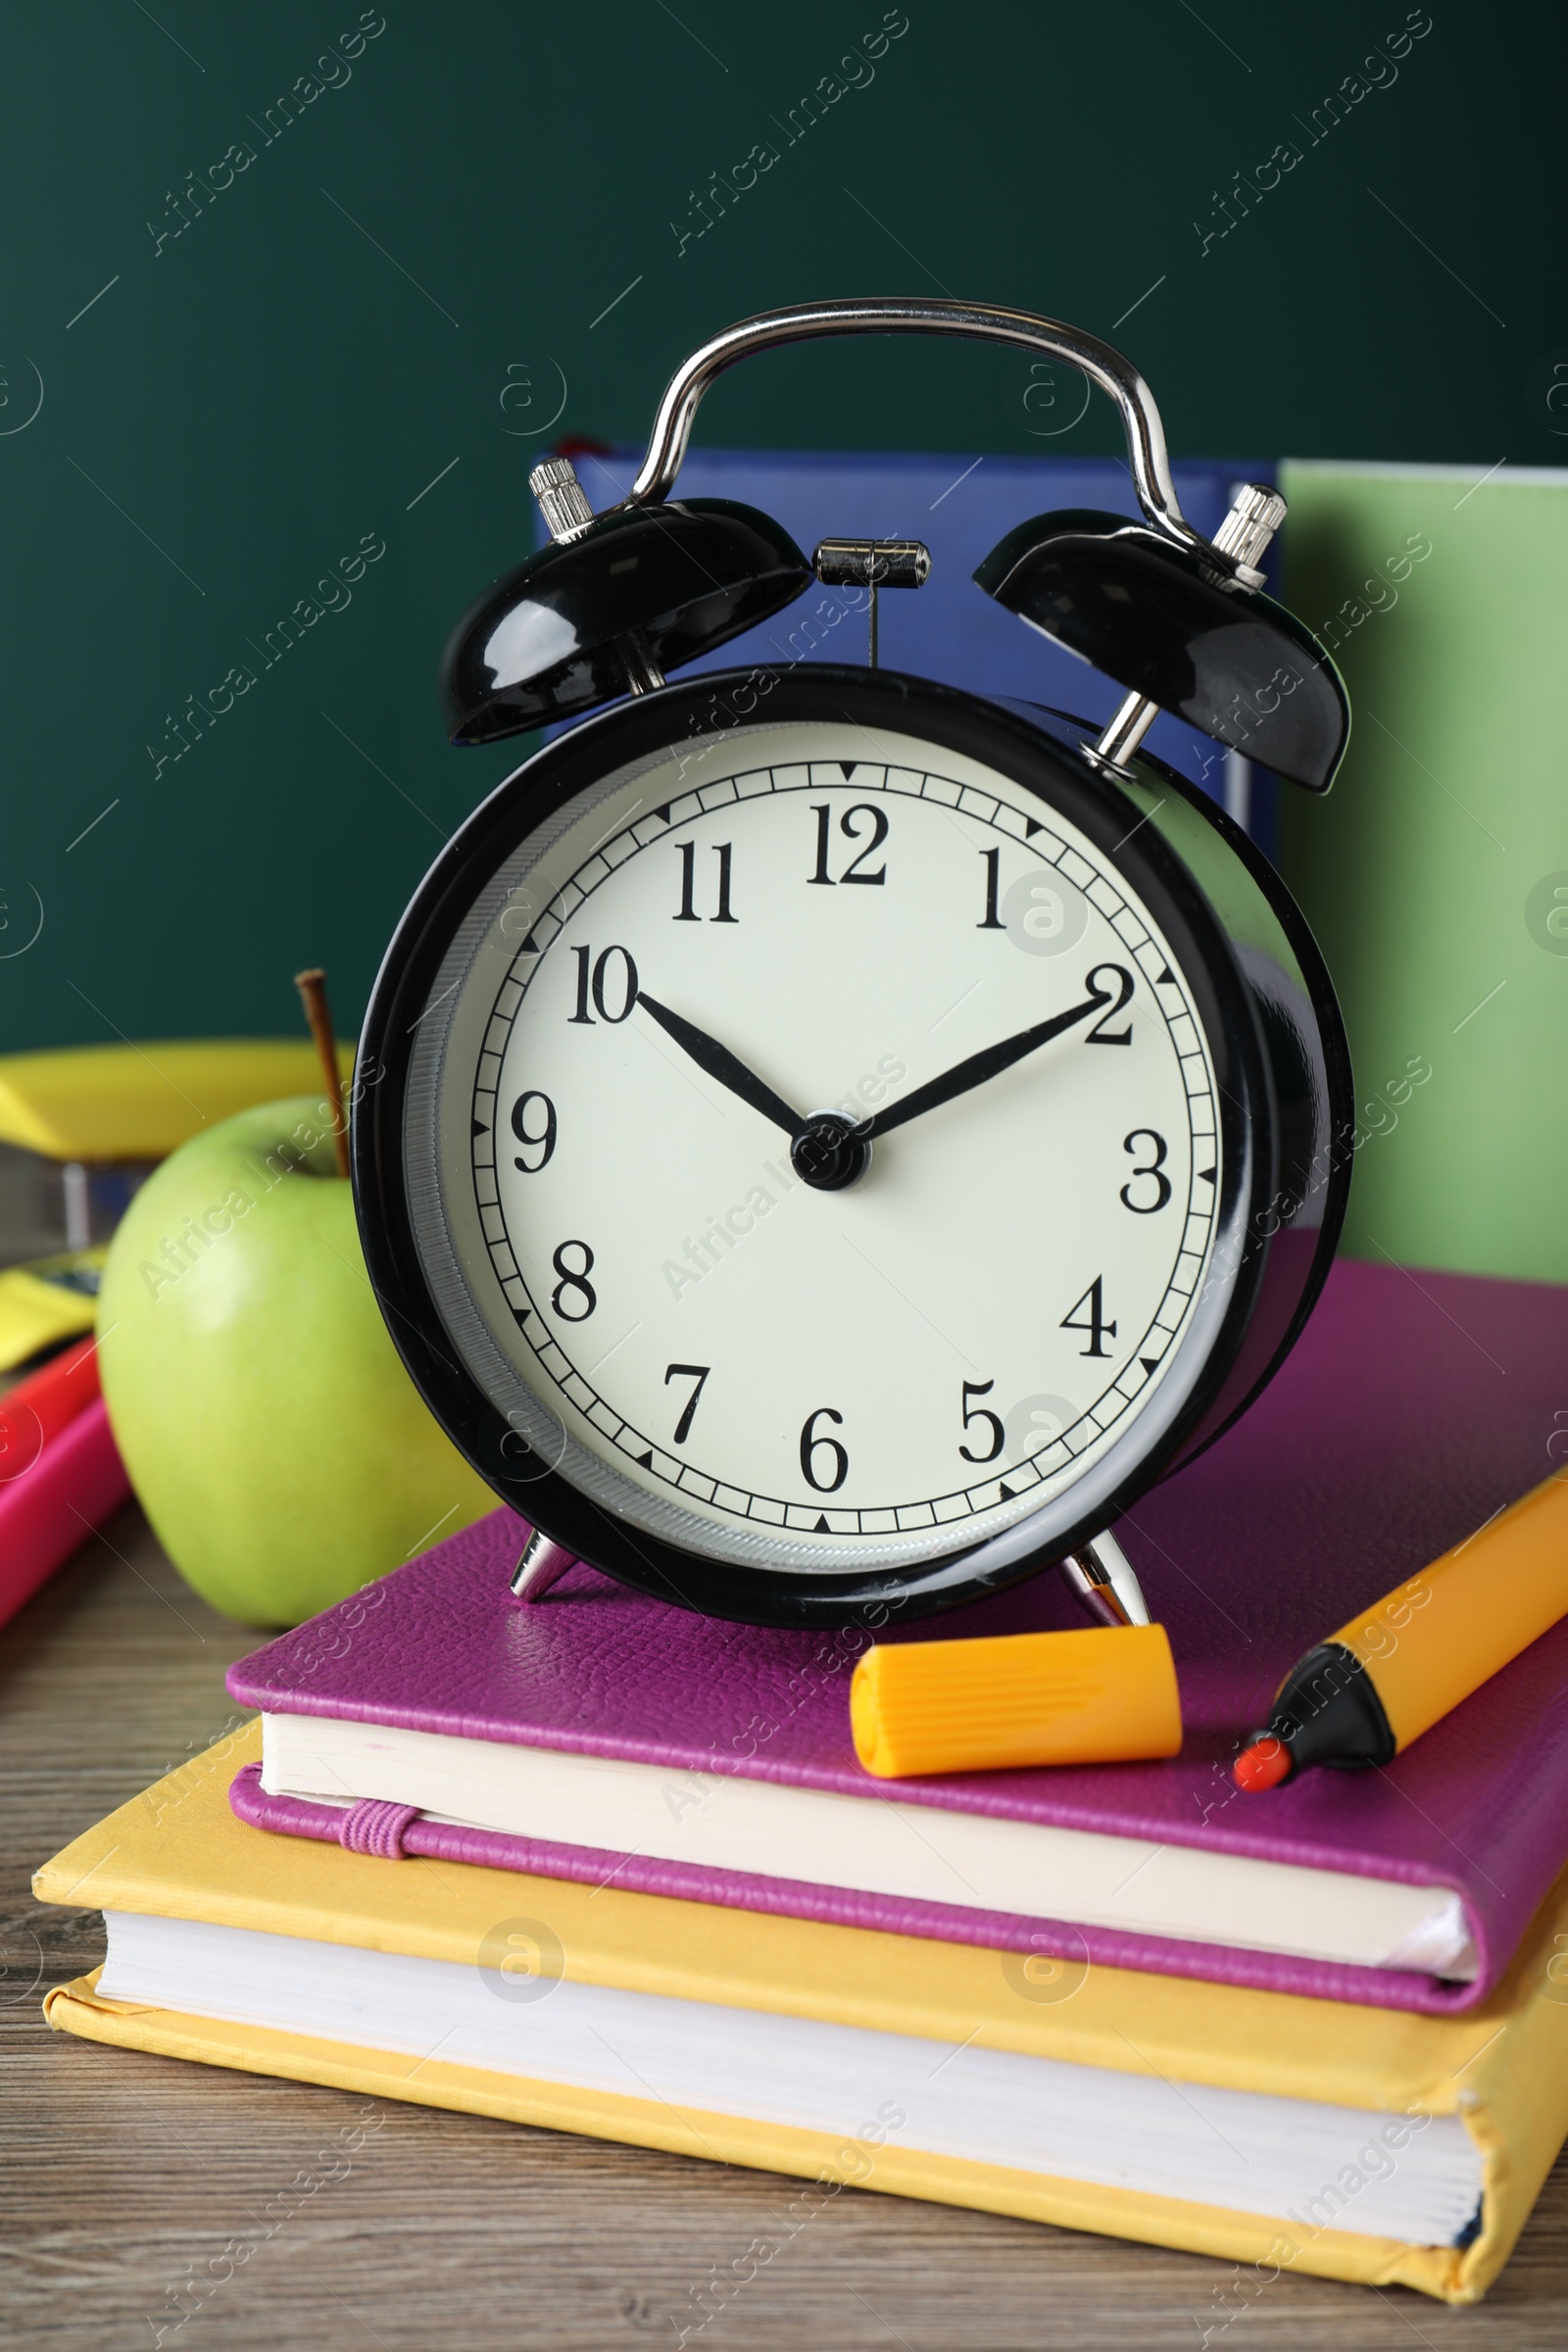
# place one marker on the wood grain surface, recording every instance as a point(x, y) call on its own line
point(125, 2178)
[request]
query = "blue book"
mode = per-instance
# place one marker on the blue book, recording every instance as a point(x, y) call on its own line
point(948, 629)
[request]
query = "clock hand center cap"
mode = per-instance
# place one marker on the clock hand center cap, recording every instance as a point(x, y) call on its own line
point(829, 1153)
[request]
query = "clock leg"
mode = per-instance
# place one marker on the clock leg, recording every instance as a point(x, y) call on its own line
point(1103, 1578)
point(543, 1564)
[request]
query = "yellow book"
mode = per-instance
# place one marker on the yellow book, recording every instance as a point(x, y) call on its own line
point(1270, 2129)
point(134, 1103)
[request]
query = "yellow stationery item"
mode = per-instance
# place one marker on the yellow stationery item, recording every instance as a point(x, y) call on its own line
point(1397, 1668)
point(1101, 1694)
point(1440, 1637)
point(140, 1102)
point(1491, 2084)
point(45, 1302)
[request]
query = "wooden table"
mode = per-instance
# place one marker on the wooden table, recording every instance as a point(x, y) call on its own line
point(122, 2174)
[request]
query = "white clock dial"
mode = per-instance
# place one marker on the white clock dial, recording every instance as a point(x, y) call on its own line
point(893, 1369)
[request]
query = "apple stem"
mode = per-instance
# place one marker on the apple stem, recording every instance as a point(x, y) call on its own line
point(313, 988)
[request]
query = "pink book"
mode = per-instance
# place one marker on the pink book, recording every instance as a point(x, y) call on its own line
point(599, 1734)
point(69, 1486)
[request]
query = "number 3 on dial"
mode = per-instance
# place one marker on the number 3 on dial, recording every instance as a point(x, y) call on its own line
point(1155, 1169)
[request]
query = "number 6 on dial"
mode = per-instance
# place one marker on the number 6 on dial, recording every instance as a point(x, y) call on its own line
point(811, 1444)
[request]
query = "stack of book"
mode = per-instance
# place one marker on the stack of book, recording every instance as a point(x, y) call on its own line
point(600, 1865)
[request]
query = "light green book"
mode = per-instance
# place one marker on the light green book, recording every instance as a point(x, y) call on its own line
point(1435, 874)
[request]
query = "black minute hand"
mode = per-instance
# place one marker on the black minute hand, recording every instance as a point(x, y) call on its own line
point(977, 1069)
point(720, 1063)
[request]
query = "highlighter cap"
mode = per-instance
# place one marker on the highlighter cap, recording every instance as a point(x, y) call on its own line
point(1105, 1695)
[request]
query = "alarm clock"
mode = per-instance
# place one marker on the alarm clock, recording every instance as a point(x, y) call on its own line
point(833, 1140)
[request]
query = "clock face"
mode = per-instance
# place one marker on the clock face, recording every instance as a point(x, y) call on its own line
point(722, 1342)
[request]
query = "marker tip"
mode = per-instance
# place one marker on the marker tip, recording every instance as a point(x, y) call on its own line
point(1264, 1765)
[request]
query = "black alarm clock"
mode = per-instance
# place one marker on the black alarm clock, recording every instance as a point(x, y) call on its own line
point(838, 1140)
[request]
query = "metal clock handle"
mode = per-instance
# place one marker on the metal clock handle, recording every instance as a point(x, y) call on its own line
point(888, 315)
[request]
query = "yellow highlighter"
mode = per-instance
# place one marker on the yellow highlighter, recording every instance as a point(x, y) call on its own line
point(1101, 1695)
point(1400, 1667)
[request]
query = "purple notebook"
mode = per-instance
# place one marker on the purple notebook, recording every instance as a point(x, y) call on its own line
point(1414, 1407)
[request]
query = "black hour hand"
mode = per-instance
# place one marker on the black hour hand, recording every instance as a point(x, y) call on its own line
point(991, 1060)
point(720, 1063)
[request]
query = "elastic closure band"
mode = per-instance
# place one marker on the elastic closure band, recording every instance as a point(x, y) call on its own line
point(376, 1827)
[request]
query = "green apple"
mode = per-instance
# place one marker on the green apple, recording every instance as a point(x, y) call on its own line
point(277, 1443)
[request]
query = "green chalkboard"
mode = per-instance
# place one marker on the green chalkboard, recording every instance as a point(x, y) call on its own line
point(294, 296)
